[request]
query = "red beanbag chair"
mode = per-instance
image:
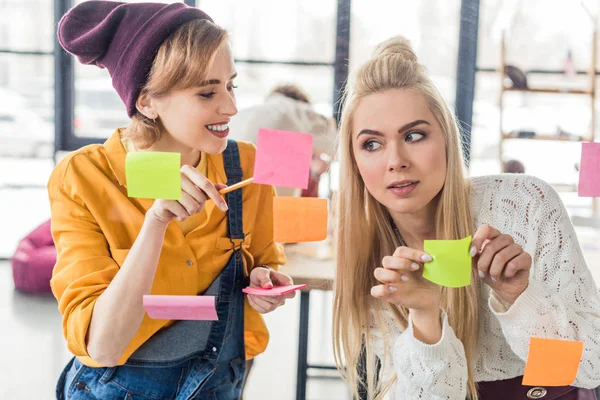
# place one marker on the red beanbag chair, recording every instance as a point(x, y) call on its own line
point(34, 260)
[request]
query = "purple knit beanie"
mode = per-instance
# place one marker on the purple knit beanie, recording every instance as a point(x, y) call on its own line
point(123, 38)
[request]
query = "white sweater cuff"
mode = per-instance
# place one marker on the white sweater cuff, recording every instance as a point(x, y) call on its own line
point(427, 351)
point(523, 309)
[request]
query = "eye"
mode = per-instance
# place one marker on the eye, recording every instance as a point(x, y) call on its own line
point(208, 95)
point(371, 145)
point(230, 88)
point(414, 137)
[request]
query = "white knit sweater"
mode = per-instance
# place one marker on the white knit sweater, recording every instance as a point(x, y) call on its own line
point(561, 301)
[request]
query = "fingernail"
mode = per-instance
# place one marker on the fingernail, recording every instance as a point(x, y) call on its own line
point(473, 251)
point(426, 258)
point(224, 206)
point(493, 279)
point(404, 278)
point(481, 274)
point(414, 266)
point(392, 288)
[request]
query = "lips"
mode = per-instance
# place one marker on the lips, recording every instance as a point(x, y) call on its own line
point(219, 129)
point(402, 184)
point(402, 188)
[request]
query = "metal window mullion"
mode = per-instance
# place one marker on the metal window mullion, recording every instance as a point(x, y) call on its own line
point(342, 53)
point(465, 74)
point(64, 87)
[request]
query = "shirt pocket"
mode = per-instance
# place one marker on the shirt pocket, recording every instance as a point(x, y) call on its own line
point(224, 248)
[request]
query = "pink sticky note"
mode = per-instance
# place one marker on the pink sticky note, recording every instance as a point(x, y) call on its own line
point(283, 158)
point(589, 170)
point(274, 291)
point(200, 308)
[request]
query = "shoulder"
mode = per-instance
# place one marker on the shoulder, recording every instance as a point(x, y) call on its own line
point(512, 189)
point(75, 164)
point(515, 204)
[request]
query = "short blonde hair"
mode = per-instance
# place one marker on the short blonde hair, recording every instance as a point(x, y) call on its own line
point(181, 62)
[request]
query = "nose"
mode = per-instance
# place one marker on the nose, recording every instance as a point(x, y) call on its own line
point(398, 160)
point(228, 106)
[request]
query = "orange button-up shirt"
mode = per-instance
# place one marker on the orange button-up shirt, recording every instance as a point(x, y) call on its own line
point(94, 224)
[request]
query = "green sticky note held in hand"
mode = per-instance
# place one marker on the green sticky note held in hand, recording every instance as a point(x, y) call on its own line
point(451, 265)
point(153, 175)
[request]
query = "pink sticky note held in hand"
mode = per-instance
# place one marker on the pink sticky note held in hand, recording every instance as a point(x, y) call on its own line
point(200, 308)
point(283, 158)
point(274, 291)
point(589, 170)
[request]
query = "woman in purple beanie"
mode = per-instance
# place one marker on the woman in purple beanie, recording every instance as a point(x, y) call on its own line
point(173, 68)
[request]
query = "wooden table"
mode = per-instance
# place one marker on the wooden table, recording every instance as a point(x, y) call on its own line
point(311, 264)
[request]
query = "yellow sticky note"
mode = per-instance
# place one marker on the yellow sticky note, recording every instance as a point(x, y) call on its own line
point(552, 362)
point(451, 265)
point(299, 219)
point(153, 175)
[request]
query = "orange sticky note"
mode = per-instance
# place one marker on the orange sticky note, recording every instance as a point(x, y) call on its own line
point(552, 362)
point(299, 219)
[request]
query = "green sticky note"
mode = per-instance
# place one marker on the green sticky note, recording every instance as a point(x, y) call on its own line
point(153, 175)
point(451, 265)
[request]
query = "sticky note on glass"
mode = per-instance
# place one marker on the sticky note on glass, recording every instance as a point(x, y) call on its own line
point(552, 362)
point(283, 158)
point(589, 170)
point(451, 265)
point(299, 219)
point(274, 291)
point(200, 308)
point(153, 175)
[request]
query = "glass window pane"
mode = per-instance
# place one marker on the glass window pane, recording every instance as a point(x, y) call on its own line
point(26, 106)
point(290, 30)
point(27, 25)
point(432, 26)
point(98, 108)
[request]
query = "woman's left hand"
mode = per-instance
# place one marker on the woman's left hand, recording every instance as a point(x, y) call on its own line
point(502, 264)
point(266, 278)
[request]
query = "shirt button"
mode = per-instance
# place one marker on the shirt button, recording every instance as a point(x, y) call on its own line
point(189, 262)
point(214, 349)
point(81, 385)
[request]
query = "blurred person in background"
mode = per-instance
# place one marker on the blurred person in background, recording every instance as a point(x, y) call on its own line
point(289, 108)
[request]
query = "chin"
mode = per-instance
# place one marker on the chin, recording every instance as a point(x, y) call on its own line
point(213, 146)
point(404, 206)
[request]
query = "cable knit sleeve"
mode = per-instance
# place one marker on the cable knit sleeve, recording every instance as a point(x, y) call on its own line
point(561, 301)
point(433, 372)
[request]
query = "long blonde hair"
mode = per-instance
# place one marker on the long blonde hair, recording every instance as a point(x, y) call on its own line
point(365, 233)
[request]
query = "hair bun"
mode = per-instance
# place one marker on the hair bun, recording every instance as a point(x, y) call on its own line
point(397, 45)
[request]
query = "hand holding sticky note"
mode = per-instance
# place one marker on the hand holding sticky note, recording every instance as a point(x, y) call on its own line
point(153, 175)
point(299, 219)
point(201, 308)
point(589, 170)
point(274, 291)
point(283, 158)
point(451, 265)
point(552, 362)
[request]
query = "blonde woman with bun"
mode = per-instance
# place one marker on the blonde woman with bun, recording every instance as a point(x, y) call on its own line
point(403, 183)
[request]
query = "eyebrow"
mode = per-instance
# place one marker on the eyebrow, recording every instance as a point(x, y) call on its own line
point(404, 128)
point(216, 81)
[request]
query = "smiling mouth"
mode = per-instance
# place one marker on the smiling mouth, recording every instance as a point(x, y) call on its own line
point(217, 128)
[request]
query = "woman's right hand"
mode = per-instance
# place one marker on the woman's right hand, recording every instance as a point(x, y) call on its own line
point(196, 189)
point(402, 282)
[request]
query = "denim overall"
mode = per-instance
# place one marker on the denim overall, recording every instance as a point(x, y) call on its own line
point(190, 359)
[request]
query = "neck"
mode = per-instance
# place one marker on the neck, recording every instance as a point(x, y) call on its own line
point(418, 226)
point(167, 143)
